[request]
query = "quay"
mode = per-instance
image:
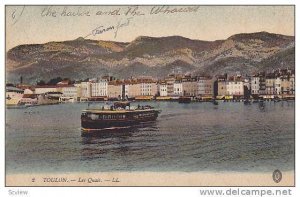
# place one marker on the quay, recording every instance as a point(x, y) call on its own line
point(279, 85)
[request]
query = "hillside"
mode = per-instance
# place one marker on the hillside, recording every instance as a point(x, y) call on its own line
point(156, 56)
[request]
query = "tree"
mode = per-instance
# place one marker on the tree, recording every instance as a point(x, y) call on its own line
point(10, 85)
point(41, 83)
point(54, 81)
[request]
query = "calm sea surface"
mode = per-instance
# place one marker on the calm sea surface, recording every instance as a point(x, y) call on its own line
point(185, 137)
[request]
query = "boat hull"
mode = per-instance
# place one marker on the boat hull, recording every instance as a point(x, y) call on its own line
point(184, 100)
point(116, 120)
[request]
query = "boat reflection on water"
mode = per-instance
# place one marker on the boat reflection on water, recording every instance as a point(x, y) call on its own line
point(118, 131)
point(107, 132)
point(262, 105)
point(118, 141)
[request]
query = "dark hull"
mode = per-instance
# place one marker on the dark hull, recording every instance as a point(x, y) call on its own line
point(94, 124)
point(184, 100)
point(132, 118)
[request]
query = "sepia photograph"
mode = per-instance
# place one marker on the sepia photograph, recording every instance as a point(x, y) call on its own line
point(150, 95)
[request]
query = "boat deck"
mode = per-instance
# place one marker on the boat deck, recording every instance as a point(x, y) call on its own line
point(118, 111)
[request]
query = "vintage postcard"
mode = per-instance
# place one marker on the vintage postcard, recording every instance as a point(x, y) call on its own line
point(156, 95)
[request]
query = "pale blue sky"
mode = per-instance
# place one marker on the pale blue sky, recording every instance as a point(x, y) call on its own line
point(206, 23)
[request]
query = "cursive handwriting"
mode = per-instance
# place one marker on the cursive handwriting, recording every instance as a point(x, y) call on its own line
point(78, 12)
point(65, 12)
point(121, 25)
point(101, 29)
point(16, 14)
point(134, 11)
point(171, 10)
point(114, 12)
point(127, 11)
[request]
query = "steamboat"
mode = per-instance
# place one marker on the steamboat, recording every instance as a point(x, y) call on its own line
point(119, 115)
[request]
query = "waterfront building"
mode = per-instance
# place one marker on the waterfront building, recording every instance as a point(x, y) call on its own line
point(201, 86)
point(69, 93)
point(132, 89)
point(262, 83)
point(285, 84)
point(247, 82)
point(209, 86)
point(170, 80)
point(115, 89)
point(64, 82)
point(125, 91)
point(279, 82)
point(247, 87)
point(221, 89)
point(85, 90)
point(53, 95)
point(204, 86)
point(270, 84)
point(49, 98)
point(68, 90)
point(148, 87)
point(28, 91)
point(13, 95)
point(255, 85)
point(235, 87)
point(99, 88)
point(178, 88)
point(45, 89)
point(78, 88)
point(29, 99)
point(163, 88)
point(189, 86)
point(278, 85)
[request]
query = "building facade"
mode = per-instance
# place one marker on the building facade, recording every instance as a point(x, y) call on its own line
point(163, 88)
point(148, 87)
point(270, 85)
point(255, 84)
point(115, 90)
point(262, 84)
point(45, 89)
point(13, 95)
point(99, 88)
point(69, 92)
point(235, 88)
point(85, 89)
point(178, 88)
point(132, 90)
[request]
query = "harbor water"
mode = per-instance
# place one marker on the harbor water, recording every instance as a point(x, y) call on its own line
point(190, 137)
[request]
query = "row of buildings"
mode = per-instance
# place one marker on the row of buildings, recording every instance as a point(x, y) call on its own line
point(277, 83)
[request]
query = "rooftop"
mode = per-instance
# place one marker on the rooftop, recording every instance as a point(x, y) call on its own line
point(13, 89)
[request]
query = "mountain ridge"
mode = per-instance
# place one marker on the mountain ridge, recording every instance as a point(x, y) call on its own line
point(82, 58)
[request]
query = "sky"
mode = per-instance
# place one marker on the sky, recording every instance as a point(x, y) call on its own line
point(41, 24)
